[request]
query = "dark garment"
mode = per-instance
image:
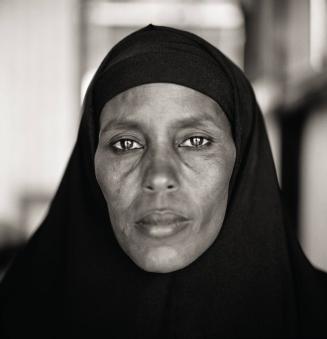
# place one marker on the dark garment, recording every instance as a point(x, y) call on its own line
point(254, 281)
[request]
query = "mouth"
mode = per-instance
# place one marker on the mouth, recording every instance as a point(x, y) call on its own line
point(162, 224)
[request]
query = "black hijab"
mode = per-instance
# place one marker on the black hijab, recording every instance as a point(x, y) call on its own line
point(73, 279)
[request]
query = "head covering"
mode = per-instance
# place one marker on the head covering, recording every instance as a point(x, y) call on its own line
point(74, 279)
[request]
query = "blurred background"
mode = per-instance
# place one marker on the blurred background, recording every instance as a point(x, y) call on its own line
point(50, 50)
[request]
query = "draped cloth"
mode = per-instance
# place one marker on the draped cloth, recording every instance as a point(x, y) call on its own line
point(73, 280)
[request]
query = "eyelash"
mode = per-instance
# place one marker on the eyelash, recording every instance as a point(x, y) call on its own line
point(121, 149)
point(194, 147)
point(207, 143)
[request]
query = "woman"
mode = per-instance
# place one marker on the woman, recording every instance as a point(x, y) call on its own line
point(195, 244)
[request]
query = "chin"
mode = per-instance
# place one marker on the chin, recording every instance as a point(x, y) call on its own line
point(164, 259)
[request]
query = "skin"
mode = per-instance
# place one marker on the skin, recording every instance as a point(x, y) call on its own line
point(164, 146)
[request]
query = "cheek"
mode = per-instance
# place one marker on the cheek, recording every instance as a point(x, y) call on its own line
point(115, 184)
point(211, 195)
point(209, 175)
point(208, 183)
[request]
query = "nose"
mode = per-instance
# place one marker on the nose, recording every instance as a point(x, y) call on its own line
point(161, 175)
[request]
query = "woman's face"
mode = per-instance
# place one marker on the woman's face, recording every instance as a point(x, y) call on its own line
point(164, 160)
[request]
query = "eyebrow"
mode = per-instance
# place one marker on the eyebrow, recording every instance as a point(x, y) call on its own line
point(196, 122)
point(121, 124)
point(201, 121)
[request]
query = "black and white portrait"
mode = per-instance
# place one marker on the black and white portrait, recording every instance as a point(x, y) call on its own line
point(163, 169)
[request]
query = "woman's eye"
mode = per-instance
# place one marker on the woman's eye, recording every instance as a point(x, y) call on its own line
point(195, 142)
point(126, 145)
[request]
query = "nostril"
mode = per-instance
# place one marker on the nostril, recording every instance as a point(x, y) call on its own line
point(153, 188)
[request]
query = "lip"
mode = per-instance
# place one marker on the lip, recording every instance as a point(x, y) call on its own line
point(162, 223)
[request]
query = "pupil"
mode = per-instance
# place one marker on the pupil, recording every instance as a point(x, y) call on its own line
point(197, 141)
point(127, 144)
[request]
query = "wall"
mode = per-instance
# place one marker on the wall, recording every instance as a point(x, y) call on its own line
point(39, 104)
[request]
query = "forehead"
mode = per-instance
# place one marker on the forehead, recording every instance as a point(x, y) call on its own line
point(164, 102)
